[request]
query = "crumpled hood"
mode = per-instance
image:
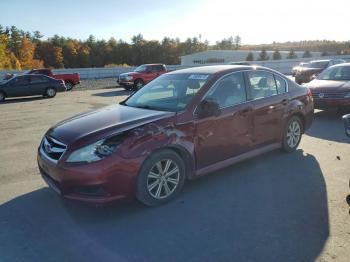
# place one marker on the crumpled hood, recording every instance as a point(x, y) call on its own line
point(111, 119)
point(329, 85)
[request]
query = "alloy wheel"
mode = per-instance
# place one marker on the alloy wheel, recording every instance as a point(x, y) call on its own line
point(163, 179)
point(293, 134)
point(50, 92)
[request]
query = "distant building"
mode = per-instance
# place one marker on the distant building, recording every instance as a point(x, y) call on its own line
point(227, 56)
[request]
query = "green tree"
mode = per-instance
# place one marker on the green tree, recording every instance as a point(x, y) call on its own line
point(307, 54)
point(291, 54)
point(276, 55)
point(263, 55)
point(237, 42)
point(250, 57)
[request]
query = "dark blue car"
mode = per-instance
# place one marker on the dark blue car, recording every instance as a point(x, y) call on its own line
point(30, 85)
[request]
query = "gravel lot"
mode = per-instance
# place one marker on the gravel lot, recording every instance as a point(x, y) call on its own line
point(97, 83)
point(276, 207)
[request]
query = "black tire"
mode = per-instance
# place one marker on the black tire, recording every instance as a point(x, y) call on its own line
point(287, 145)
point(50, 92)
point(2, 97)
point(138, 84)
point(144, 180)
point(69, 86)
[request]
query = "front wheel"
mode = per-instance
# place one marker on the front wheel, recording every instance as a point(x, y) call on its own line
point(161, 178)
point(292, 134)
point(50, 92)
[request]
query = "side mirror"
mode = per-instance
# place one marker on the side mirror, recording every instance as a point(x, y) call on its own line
point(346, 120)
point(207, 108)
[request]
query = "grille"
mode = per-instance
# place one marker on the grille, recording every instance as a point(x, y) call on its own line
point(53, 148)
point(316, 95)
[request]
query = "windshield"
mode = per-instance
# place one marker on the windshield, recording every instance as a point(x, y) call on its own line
point(335, 73)
point(169, 92)
point(322, 64)
point(141, 68)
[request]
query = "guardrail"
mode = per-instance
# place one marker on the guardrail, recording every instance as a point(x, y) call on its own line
point(283, 66)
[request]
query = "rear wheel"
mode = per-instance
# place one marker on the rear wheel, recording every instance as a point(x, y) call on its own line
point(50, 92)
point(2, 97)
point(292, 134)
point(69, 86)
point(161, 178)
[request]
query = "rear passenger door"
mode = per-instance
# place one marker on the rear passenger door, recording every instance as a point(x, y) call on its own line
point(270, 99)
point(38, 84)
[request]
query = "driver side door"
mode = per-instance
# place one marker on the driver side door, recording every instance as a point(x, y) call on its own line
point(218, 138)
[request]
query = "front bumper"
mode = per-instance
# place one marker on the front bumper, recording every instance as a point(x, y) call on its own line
point(96, 183)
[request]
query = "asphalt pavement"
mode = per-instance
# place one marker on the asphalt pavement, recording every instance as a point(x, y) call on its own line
point(275, 207)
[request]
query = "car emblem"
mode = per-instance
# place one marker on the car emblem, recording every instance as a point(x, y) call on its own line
point(321, 95)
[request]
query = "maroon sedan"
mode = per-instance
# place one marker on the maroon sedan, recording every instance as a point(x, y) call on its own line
point(180, 126)
point(332, 87)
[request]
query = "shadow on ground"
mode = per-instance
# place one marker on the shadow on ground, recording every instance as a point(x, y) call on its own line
point(23, 99)
point(332, 120)
point(114, 93)
point(271, 208)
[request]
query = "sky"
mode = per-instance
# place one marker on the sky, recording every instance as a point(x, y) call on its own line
point(257, 22)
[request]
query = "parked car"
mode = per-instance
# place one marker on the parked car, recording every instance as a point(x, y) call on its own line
point(346, 120)
point(70, 80)
point(240, 63)
point(331, 88)
point(312, 69)
point(180, 126)
point(297, 68)
point(30, 85)
point(141, 76)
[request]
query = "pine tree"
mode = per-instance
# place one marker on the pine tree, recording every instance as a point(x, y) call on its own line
point(263, 55)
point(276, 55)
point(307, 54)
point(250, 57)
point(292, 54)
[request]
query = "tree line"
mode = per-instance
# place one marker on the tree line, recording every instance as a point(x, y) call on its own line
point(25, 50)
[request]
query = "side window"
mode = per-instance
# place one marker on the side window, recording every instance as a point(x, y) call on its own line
point(281, 84)
point(37, 79)
point(262, 84)
point(229, 91)
point(160, 68)
point(21, 80)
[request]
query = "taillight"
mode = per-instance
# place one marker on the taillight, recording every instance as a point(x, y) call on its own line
point(309, 93)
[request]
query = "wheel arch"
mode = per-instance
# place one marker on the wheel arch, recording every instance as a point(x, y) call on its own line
point(183, 153)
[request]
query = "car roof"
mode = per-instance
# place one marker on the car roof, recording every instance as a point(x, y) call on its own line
point(342, 64)
point(323, 60)
point(216, 69)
